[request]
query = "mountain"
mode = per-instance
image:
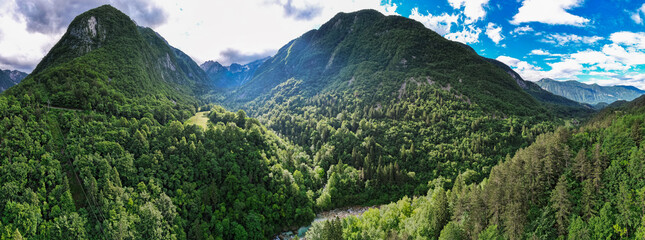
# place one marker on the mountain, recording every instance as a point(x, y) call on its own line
point(8, 78)
point(92, 146)
point(105, 62)
point(380, 55)
point(231, 76)
point(581, 182)
point(384, 105)
point(557, 103)
point(590, 93)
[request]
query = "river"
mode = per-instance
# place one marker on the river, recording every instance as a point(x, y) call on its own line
point(323, 216)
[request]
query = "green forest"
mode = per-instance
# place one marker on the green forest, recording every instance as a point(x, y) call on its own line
point(367, 110)
point(69, 174)
point(574, 183)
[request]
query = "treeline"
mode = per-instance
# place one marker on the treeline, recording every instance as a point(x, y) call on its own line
point(584, 183)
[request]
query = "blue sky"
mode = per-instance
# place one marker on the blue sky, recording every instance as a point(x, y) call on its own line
point(586, 40)
point(591, 41)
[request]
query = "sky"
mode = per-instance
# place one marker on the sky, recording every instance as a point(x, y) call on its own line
point(592, 41)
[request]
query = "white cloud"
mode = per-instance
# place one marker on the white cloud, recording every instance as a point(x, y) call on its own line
point(21, 49)
point(566, 69)
point(636, 16)
point(510, 61)
point(469, 34)
point(440, 23)
point(522, 30)
point(540, 52)
point(473, 9)
point(564, 39)
point(614, 60)
point(203, 29)
point(630, 57)
point(526, 70)
point(550, 12)
point(609, 79)
point(629, 39)
point(494, 32)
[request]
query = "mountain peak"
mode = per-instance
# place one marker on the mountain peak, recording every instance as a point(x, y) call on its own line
point(89, 31)
point(105, 60)
point(211, 65)
point(361, 13)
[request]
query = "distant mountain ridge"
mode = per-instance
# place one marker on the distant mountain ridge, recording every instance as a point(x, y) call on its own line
point(590, 93)
point(9, 78)
point(230, 76)
point(559, 103)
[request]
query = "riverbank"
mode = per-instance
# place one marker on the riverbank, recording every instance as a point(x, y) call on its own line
point(323, 216)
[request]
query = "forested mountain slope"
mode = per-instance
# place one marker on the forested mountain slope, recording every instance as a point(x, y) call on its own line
point(590, 93)
point(114, 162)
point(574, 183)
point(364, 110)
point(86, 175)
point(375, 55)
point(383, 105)
point(104, 62)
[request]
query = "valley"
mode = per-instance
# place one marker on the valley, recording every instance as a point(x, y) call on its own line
point(370, 126)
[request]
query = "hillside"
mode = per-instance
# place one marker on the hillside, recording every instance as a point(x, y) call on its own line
point(376, 55)
point(384, 105)
point(9, 78)
point(574, 183)
point(590, 93)
point(230, 76)
point(105, 62)
point(108, 159)
point(98, 142)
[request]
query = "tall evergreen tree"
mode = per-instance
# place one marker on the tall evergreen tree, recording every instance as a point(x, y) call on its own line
point(582, 165)
point(562, 205)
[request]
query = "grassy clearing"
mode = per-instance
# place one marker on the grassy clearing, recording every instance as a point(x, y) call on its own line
point(200, 119)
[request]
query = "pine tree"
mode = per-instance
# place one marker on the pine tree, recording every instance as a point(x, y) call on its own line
point(588, 199)
point(441, 211)
point(452, 231)
point(477, 214)
point(562, 205)
point(581, 165)
point(624, 205)
point(599, 167)
point(636, 131)
point(578, 230)
point(601, 225)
